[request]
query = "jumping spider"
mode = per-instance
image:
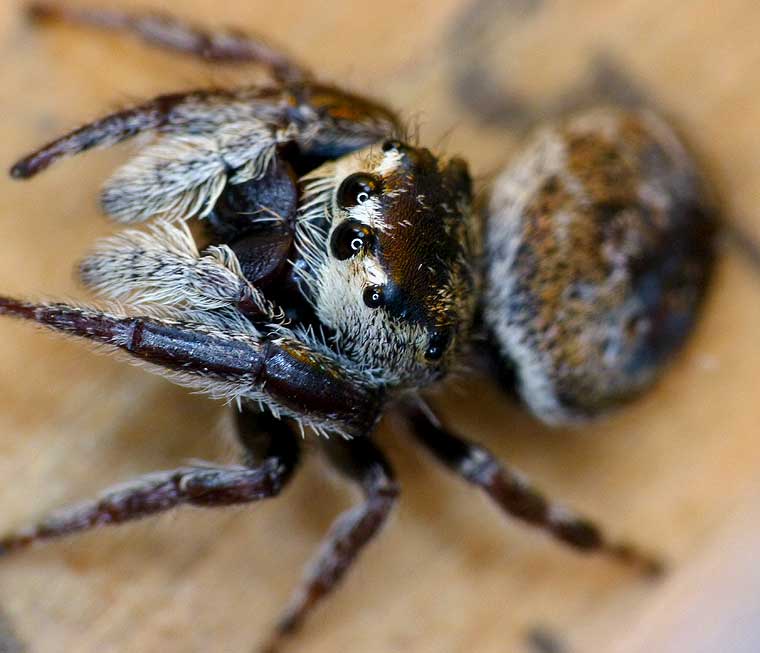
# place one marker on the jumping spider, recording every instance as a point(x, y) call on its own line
point(346, 269)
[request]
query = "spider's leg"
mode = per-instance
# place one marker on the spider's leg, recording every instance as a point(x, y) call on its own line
point(322, 121)
point(209, 142)
point(224, 355)
point(104, 132)
point(227, 46)
point(514, 494)
point(271, 457)
point(360, 461)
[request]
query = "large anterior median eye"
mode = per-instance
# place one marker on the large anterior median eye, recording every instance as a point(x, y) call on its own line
point(350, 238)
point(357, 189)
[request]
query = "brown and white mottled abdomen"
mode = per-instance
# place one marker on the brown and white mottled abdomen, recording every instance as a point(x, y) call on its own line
point(599, 246)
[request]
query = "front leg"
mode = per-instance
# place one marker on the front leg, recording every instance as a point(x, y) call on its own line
point(271, 457)
point(361, 462)
point(207, 139)
point(514, 494)
point(224, 355)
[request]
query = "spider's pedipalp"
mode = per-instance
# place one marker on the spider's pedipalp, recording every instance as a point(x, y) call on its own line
point(163, 266)
point(182, 176)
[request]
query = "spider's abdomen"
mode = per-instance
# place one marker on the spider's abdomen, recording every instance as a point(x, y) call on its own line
point(599, 246)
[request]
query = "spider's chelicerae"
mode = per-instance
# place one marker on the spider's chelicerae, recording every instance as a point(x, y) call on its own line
point(346, 269)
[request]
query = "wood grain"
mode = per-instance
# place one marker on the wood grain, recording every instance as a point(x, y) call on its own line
point(677, 471)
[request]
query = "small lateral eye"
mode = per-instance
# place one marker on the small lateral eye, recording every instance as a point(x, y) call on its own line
point(350, 238)
point(357, 189)
point(438, 343)
point(373, 296)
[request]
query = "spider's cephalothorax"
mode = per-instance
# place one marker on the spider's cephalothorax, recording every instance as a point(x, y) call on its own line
point(388, 243)
point(343, 273)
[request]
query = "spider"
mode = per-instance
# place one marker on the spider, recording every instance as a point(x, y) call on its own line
point(345, 269)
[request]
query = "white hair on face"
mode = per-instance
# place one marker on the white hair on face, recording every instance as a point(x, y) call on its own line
point(391, 161)
point(389, 350)
point(335, 287)
point(316, 211)
point(386, 348)
point(368, 213)
point(312, 225)
point(373, 271)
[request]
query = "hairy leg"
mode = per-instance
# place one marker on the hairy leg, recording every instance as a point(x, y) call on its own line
point(226, 46)
point(223, 355)
point(215, 142)
point(360, 461)
point(273, 450)
point(104, 132)
point(206, 141)
point(514, 494)
point(323, 121)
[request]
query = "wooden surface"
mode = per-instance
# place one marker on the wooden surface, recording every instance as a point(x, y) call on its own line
point(679, 471)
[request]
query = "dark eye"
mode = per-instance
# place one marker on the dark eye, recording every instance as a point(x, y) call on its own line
point(438, 343)
point(350, 238)
point(373, 296)
point(357, 189)
point(392, 145)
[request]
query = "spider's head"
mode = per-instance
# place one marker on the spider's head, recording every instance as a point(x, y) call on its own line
point(392, 267)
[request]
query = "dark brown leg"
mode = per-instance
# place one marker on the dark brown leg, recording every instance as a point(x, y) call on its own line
point(363, 463)
point(225, 362)
point(228, 46)
point(274, 451)
point(323, 121)
point(514, 494)
point(107, 131)
point(264, 437)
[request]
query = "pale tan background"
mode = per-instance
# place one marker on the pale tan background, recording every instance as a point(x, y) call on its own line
point(679, 471)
